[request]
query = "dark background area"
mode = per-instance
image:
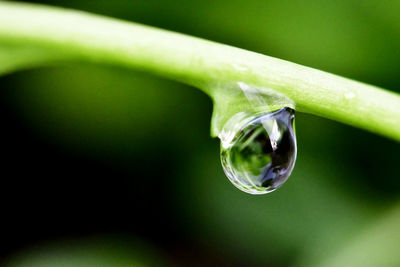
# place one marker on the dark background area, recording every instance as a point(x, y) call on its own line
point(110, 160)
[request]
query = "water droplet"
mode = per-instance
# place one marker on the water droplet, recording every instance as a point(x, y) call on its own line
point(258, 152)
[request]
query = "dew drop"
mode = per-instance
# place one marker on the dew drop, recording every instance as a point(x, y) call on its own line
point(258, 152)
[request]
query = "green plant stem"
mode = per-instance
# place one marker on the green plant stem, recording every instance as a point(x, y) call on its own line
point(74, 35)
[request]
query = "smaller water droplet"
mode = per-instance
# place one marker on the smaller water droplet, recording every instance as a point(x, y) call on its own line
point(349, 95)
point(258, 153)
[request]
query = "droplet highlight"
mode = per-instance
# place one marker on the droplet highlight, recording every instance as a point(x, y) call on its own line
point(258, 152)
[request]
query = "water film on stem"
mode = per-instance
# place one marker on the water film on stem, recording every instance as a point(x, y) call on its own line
point(258, 145)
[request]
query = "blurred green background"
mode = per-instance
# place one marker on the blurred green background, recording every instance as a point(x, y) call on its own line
point(106, 166)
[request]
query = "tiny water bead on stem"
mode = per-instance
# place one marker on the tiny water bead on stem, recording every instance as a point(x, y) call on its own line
point(259, 152)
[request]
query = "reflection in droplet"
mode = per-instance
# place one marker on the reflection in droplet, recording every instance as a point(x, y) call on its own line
point(258, 152)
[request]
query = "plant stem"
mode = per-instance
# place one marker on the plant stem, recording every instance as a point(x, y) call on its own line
point(204, 64)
